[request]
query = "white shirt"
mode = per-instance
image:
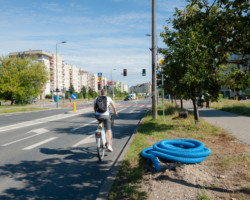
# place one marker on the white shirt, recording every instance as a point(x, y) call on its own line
point(109, 101)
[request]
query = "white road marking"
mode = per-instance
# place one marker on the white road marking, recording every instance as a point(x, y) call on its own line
point(37, 121)
point(89, 139)
point(39, 133)
point(39, 143)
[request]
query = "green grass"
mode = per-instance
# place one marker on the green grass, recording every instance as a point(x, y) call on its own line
point(126, 185)
point(237, 107)
point(16, 109)
point(203, 195)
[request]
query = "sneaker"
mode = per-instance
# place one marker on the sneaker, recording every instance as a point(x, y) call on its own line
point(110, 148)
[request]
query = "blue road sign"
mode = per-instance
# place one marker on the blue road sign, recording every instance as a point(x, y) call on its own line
point(158, 71)
point(74, 96)
point(56, 98)
point(99, 74)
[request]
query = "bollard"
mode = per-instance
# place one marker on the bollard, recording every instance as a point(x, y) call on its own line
point(74, 107)
point(86, 100)
point(236, 98)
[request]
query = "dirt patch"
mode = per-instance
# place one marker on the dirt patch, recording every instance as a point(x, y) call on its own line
point(185, 181)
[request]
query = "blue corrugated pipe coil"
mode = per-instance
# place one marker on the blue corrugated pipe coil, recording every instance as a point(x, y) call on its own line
point(177, 150)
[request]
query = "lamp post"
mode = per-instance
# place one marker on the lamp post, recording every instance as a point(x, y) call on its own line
point(112, 83)
point(154, 100)
point(57, 89)
point(161, 62)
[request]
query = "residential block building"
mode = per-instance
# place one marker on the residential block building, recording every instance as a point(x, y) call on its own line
point(62, 74)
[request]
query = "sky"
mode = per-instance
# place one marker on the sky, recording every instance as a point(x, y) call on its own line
point(103, 36)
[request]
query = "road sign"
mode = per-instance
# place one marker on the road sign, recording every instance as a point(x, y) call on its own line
point(74, 96)
point(99, 78)
point(158, 71)
point(99, 74)
point(56, 98)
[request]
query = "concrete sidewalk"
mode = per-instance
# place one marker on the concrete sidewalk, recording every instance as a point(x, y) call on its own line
point(237, 125)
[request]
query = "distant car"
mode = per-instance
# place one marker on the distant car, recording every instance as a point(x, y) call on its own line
point(127, 98)
point(132, 96)
point(34, 100)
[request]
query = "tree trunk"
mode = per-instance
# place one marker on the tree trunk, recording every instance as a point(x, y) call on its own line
point(175, 101)
point(196, 112)
point(181, 104)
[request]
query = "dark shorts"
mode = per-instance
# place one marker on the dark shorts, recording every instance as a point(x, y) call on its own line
point(105, 119)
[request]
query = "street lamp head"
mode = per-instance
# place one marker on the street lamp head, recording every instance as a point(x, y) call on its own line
point(148, 35)
point(63, 42)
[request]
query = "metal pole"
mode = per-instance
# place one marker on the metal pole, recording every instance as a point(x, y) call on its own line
point(154, 94)
point(43, 97)
point(56, 79)
point(112, 84)
point(163, 106)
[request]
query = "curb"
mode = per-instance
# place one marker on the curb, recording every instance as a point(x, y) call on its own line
point(107, 184)
point(81, 111)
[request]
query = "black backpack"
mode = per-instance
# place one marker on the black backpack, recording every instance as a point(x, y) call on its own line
point(101, 104)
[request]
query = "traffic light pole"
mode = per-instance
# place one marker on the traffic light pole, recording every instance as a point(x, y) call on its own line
point(154, 92)
point(163, 106)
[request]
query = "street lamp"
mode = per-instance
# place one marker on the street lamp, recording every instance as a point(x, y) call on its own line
point(112, 82)
point(57, 89)
point(161, 76)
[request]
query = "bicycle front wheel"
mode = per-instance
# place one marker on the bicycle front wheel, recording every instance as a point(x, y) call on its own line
point(100, 149)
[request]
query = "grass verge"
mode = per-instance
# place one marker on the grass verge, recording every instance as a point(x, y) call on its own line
point(228, 157)
point(23, 109)
point(237, 107)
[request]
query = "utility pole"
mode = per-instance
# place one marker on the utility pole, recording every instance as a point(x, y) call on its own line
point(154, 94)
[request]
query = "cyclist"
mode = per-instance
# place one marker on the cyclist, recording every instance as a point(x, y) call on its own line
point(101, 108)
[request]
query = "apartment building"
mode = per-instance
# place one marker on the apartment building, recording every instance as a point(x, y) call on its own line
point(126, 89)
point(47, 59)
point(66, 76)
point(74, 78)
point(93, 82)
point(56, 71)
point(83, 78)
point(143, 89)
point(61, 74)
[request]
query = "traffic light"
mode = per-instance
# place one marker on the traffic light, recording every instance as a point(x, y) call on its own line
point(143, 72)
point(99, 85)
point(159, 83)
point(124, 72)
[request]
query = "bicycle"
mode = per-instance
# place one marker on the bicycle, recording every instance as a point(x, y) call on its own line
point(102, 141)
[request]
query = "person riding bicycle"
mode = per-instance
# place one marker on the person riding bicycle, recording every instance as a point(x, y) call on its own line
point(101, 108)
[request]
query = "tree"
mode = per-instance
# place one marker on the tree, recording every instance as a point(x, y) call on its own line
point(21, 78)
point(84, 91)
point(236, 79)
point(192, 59)
point(92, 93)
point(71, 89)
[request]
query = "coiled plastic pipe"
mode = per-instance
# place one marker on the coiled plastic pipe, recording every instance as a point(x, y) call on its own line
point(178, 150)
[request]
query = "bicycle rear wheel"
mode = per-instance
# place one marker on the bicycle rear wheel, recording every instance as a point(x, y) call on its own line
point(100, 149)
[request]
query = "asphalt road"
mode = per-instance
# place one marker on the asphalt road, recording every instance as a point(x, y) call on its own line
point(52, 155)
